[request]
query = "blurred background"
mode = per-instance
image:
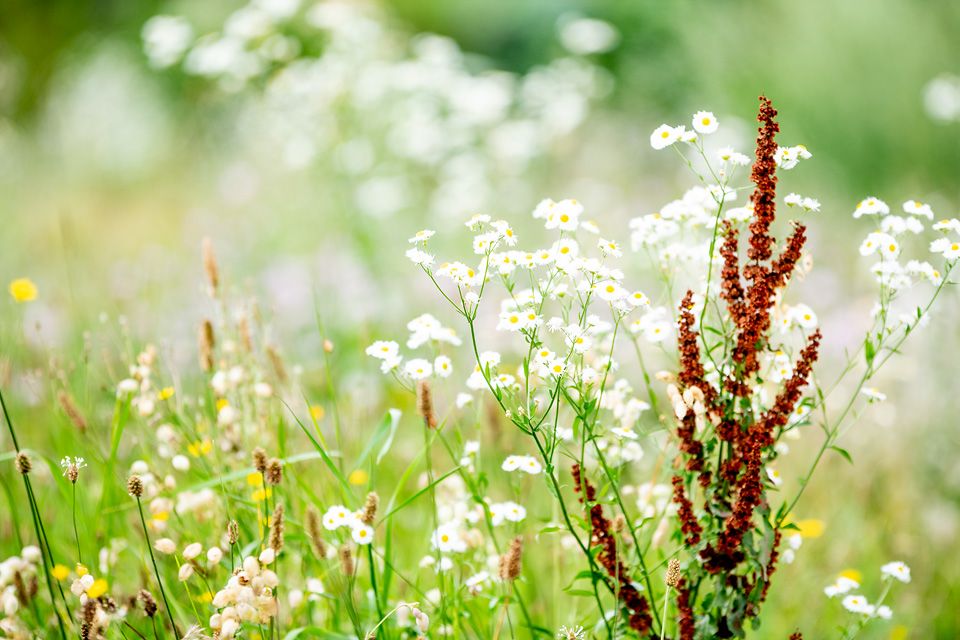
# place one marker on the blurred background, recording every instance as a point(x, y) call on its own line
point(309, 141)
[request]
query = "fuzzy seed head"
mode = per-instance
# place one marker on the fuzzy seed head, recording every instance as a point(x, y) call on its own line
point(510, 561)
point(149, 604)
point(23, 463)
point(260, 460)
point(276, 529)
point(425, 404)
point(315, 531)
point(233, 532)
point(274, 474)
point(346, 560)
point(370, 508)
point(673, 573)
point(135, 486)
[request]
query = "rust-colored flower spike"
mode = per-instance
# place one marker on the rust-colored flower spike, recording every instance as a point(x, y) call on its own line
point(210, 266)
point(149, 603)
point(370, 508)
point(346, 560)
point(601, 535)
point(691, 372)
point(673, 573)
point(260, 460)
point(425, 404)
point(763, 175)
point(315, 531)
point(274, 473)
point(207, 342)
point(70, 409)
point(24, 465)
point(686, 619)
point(688, 520)
point(276, 529)
point(135, 486)
point(510, 561)
point(233, 532)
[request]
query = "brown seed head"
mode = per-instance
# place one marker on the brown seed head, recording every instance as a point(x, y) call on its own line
point(149, 604)
point(276, 529)
point(233, 532)
point(260, 460)
point(346, 560)
point(135, 486)
point(425, 404)
point(23, 463)
point(510, 561)
point(73, 413)
point(207, 341)
point(210, 266)
point(274, 473)
point(276, 362)
point(315, 531)
point(673, 573)
point(370, 508)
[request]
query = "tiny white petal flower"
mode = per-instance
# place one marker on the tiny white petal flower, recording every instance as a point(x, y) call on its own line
point(705, 122)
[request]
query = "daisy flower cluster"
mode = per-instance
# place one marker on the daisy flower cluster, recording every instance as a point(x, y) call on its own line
point(888, 241)
point(338, 516)
point(378, 107)
point(425, 331)
point(848, 582)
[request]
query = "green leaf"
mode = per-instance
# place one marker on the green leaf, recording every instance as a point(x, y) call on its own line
point(382, 436)
point(421, 492)
point(869, 350)
point(346, 489)
point(843, 452)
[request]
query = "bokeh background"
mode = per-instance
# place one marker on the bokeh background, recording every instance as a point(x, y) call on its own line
point(116, 159)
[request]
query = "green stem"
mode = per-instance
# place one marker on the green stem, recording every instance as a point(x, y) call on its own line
point(156, 569)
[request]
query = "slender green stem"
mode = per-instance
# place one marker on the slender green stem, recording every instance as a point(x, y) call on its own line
point(37, 523)
point(76, 533)
point(156, 570)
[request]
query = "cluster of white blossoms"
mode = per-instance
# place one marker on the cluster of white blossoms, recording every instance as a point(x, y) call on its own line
point(526, 464)
point(20, 569)
point(888, 240)
point(378, 107)
point(339, 516)
point(856, 603)
point(705, 123)
point(424, 330)
point(247, 598)
point(563, 348)
point(139, 386)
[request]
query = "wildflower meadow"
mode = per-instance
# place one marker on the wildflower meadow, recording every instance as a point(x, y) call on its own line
point(386, 320)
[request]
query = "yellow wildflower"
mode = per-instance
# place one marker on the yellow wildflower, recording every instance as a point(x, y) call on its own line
point(97, 589)
point(23, 290)
point(811, 528)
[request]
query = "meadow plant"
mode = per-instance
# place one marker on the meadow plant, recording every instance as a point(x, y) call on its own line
point(560, 485)
point(742, 385)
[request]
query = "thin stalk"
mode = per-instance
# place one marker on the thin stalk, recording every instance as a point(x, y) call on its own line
point(156, 569)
